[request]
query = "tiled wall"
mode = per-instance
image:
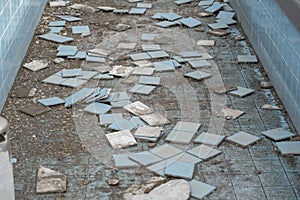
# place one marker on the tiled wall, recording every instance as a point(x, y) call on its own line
point(277, 43)
point(18, 19)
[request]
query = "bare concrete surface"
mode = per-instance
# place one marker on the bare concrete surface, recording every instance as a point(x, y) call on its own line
point(72, 141)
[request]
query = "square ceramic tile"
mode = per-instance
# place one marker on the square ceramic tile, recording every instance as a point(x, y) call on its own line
point(206, 2)
point(155, 119)
point(180, 137)
point(78, 96)
point(97, 108)
point(143, 63)
point(106, 119)
point(120, 103)
point(190, 54)
point(142, 89)
point(95, 59)
point(137, 11)
point(57, 23)
point(148, 71)
point(187, 126)
point(241, 92)
point(225, 14)
point(149, 80)
point(145, 158)
point(288, 148)
point(123, 161)
point(144, 5)
point(190, 22)
point(121, 11)
point(166, 24)
point(180, 170)
point(171, 16)
point(199, 190)
point(158, 54)
point(229, 113)
point(278, 134)
point(121, 125)
point(86, 75)
point(209, 43)
point(120, 70)
point(210, 139)
point(247, 59)
point(51, 101)
point(138, 108)
point(158, 16)
point(128, 45)
point(121, 139)
point(73, 82)
point(80, 29)
point(214, 8)
point(227, 21)
point(180, 2)
point(198, 75)
point(79, 55)
point(53, 37)
point(34, 109)
point(218, 25)
point(99, 52)
point(179, 59)
point(69, 73)
point(243, 139)
point(104, 77)
point(165, 151)
point(147, 132)
point(68, 18)
point(204, 152)
point(185, 157)
point(199, 63)
point(164, 66)
point(56, 29)
point(139, 56)
point(148, 36)
point(151, 47)
point(36, 65)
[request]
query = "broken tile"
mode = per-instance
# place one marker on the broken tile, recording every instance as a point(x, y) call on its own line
point(95, 59)
point(278, 134)
point(165, 151)
point(158, 54)
point(121, 71)
point(57, 23)
point(142, 89)
point(104, 77)
point(138, 108)
point(139, 56)
point(106, 119)
point(180, 2)
point(97, 108)
point(218, 25)
point(229, 113)
point(78, 96)
point(166, 24)
point(190, 22)
point(151, 47)
point(209, 43)
point(80, 29)
point(128, 45)
point(171, 16)
point(98, 95)
point(241, 92)
point(144, 5)
point(137, 11)
point(145, 158)
point(34, 109)
point(198, 75)
point(121, 139)
point(199, 63)
point(36, 65)
point(204, 152)
point(190, 54)
point(199, 190)
point(121, 11)
point(157, 16)
point(186, 158)
point(209, 139)
point(53, 37)
point(54, 79)
point(123, 161)
point(155, 119)
point(206, 2)
point(78, 55)
point(106, 8)
point(243, 139)
point(288, 148)
point(148, 133)
point(50, 181)
point(68, 18)
point(148, 36)
point(214, 8)
point(143, 71)
point(164, 66)
point(100, 52)
point(149, 80)
point(247, 59)
point(122, 124)
point(143, 63)
point(68, 73)
point(180, 170)
point(270, 107)
point(51, 101)
point(56, 29)
point(225, 14)
point(223, 88)
point(180, 137)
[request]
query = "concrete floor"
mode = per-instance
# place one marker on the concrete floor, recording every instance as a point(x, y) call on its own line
point(72, 142)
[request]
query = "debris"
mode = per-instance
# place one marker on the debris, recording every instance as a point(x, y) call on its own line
point(270, 107)
point(82, 7)
point(36, 65)
point(138, 108)
point(49, 181)
point(243, 139)
point(205, 14)
point(121, 71)
point(58, 60)
point(209, 43)
point(106, 8)
point(218, 32)
point(214, 8)
point(247, 59)
point(113, 182)
point(121, 139)
point(288, 148)
point(97, 108)
point(209, 139)
point(34, 109)
point(241, 92)
point(229, 113)
point(137, 11)
point(51, 101)
point(57, 3)
point(199, 190)
point(53, 37)
point(278, 134)
point(204, 152)
point(266, 85)
point(68, 18)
